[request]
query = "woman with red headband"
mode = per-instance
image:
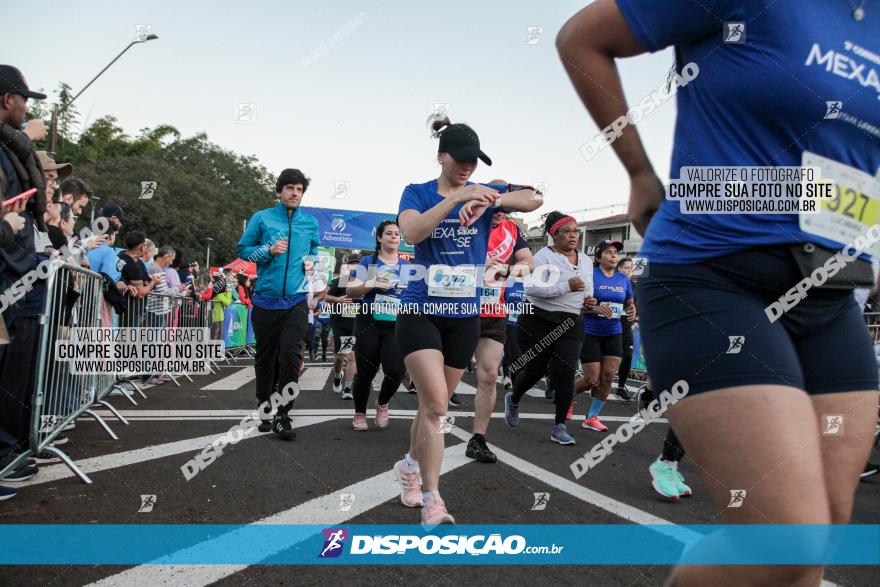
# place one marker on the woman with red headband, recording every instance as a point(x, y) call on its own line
point(559, 291)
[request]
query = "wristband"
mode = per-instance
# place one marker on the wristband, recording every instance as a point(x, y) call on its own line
point(496, 203)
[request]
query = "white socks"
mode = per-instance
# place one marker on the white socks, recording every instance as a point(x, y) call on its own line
point(410, 464)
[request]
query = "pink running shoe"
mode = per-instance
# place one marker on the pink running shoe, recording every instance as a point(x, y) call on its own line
point(570, 414)
point(410, 485)
point(381, 416)
point(594, 424)
point(434, 513)
point(360, 422)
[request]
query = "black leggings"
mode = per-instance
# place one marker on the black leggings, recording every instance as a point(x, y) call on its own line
point(374, 345)
point(672, 448)
point(541, 341)
point(511, 349)
point(626, 359)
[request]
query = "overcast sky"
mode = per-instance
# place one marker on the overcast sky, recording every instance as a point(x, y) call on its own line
point(351, 109)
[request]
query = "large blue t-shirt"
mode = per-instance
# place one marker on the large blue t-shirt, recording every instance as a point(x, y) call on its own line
point(448, 255)
point(760, 102)
point(613, 291)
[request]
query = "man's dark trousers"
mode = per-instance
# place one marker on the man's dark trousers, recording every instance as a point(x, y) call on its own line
point(279, 335)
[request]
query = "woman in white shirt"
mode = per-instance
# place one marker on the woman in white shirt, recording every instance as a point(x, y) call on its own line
point(551, 326)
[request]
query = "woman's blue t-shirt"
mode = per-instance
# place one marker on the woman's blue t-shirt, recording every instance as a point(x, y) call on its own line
point(762, 101)
point(452, 258)
point(613, 291)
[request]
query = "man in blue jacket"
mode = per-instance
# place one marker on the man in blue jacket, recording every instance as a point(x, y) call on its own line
point(278, 239)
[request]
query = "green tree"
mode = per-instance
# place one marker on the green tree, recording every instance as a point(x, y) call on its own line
point(204, 190)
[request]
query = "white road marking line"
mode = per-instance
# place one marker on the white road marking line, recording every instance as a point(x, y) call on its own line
point(314, 378)
point(323, 510)
point(618, 508)
point(234, 381)
point(608, 504)
point(333, 412)
point(149, 453)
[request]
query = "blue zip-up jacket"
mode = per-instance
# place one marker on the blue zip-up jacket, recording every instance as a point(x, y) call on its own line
point(279, 276)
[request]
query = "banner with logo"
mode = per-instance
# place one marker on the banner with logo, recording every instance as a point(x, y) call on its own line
point(350, 229)
point(520, 544)
point(638, 360)
point(251, 338)
point(235, 325)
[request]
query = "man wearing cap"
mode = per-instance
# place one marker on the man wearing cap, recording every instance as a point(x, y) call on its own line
point(114, 213)
point(279, 240)
point(53, 172)
point(508, 251)
point(20, 171)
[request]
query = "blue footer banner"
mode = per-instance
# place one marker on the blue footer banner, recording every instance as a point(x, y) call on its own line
point(104, 544)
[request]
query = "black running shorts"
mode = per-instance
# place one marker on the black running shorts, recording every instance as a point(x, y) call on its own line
point(708, 323)
point(456, 338)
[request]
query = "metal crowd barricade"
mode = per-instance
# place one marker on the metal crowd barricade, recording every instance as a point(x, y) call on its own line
point(73, 299)
point(872, 320)
point(173, 311)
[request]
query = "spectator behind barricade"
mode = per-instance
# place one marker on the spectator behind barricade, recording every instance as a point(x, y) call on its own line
point(220, 296)
point(132, 273)
point(53, 173)
point(113, 213)
point(75, 192)
point(159, 305)
point(229, 276)
point(19, 171)
point(242, 290)
point(172, 277)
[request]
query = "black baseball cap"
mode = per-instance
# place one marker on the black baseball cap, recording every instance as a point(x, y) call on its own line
point(113, 210)
point(12, 82)
point(462, 143)
point(605, 244)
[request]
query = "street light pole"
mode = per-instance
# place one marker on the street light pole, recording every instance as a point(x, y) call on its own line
point(93, 199)
point(208, 256)
point(53, 126)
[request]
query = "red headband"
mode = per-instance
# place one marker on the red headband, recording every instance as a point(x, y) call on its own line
point(559, 223)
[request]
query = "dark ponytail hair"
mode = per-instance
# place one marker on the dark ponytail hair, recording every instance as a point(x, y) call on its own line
point(379, 230)
point(551, 218)
point(437, 122)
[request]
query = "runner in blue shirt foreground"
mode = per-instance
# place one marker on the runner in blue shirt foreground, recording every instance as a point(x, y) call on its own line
point(760, 83)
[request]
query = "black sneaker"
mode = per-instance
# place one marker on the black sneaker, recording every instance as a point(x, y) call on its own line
point(346, 393)
point(265, 426)
point(455, 401)
point(412, 388)
point(477, 449)
point(870, 469)
point(283, 427)
point(22, 473)
point(7, 493)
point(623, 394)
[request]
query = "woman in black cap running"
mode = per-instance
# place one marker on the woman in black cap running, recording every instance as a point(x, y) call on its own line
point(448, 219)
